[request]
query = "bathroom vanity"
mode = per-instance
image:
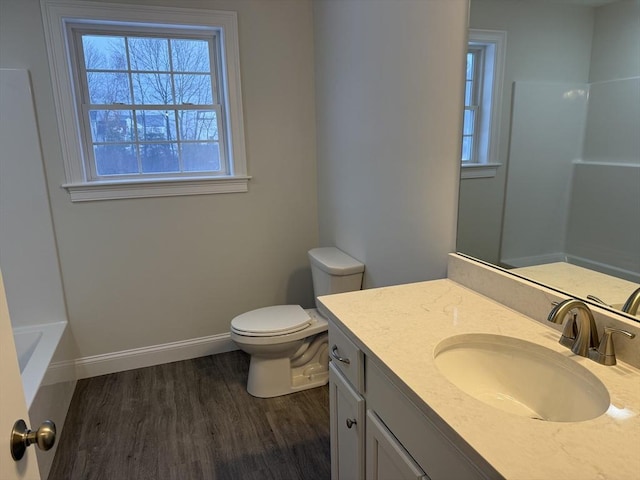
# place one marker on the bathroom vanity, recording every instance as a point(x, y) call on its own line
point(395, 415)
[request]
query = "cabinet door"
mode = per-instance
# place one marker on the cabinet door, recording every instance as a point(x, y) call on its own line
point(386, 457)
point(347, 428)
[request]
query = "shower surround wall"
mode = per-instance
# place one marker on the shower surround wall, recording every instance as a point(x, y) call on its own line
point(547, 125)
point(604, 225)
point(586, 209)
point(563, 48)
point(547, 42)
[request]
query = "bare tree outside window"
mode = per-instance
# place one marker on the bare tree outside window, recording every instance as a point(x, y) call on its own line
point(152, 104)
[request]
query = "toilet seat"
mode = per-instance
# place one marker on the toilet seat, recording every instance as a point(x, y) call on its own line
point(271, 321)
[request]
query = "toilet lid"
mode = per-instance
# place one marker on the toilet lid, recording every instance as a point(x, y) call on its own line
point(268, 321)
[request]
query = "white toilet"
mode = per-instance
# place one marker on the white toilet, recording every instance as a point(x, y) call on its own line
point(289, 345)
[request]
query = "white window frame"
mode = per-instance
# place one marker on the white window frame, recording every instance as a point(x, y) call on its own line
point(486, 161)
point(58, 14)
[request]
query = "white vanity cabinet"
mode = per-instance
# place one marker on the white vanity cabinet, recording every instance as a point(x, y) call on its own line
point(347, 408)
point(394, 440)
point(417, 422)
point(386, 458)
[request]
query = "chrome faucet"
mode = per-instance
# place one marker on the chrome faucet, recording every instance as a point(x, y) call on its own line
point(632, 303)
point(587, 332)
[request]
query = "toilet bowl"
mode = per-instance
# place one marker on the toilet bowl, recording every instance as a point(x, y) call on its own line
point(288, 344)
point(285, 360)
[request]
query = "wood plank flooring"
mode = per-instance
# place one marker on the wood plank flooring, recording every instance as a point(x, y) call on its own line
point(192, 420)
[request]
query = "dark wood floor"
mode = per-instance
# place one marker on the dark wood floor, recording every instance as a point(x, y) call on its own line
point(192, 420)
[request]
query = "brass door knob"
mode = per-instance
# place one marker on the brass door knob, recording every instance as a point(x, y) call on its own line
point(22, 437)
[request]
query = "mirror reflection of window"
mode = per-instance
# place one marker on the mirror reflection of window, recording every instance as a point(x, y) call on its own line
point(483, 91)
point(472, 95)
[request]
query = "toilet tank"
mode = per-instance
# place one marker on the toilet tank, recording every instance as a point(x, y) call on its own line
point(334, 271)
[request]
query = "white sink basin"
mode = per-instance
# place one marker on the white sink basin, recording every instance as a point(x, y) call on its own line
point(521, 377)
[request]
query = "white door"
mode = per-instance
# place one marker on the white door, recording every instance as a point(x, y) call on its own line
point(12, 402)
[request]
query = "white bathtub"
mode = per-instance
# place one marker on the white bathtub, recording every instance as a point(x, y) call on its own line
point(35, 346)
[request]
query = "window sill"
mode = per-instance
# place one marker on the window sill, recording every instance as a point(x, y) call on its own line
point(115, 190)
point(479, 170)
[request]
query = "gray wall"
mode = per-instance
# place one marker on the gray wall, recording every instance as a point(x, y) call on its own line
point(144, 272)
point(546, 42)
point(149, 271)
point(554, 47)
point(614, 98)
point(547, 129)
point(389, 104)
point(604, 225)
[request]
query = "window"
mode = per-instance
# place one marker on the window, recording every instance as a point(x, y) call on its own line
point(483, 91)
point(149, 103)
point(473, 81)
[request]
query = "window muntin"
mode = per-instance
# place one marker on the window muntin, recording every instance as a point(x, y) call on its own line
point(149, 102)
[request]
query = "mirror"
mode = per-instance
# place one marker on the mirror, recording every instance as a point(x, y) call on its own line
point(563, 206)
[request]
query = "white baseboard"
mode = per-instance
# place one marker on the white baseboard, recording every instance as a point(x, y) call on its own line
point(96, 365)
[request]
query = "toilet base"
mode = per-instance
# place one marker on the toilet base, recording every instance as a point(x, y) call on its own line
point(273, 377)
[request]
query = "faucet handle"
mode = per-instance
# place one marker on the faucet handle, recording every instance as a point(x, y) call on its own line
point(605, 353)
point(593, 298)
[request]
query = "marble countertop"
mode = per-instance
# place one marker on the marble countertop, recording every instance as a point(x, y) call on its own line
point(580, 281)
point(400, 327)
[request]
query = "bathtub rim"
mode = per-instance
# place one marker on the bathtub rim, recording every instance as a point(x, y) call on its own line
point(38, 364)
